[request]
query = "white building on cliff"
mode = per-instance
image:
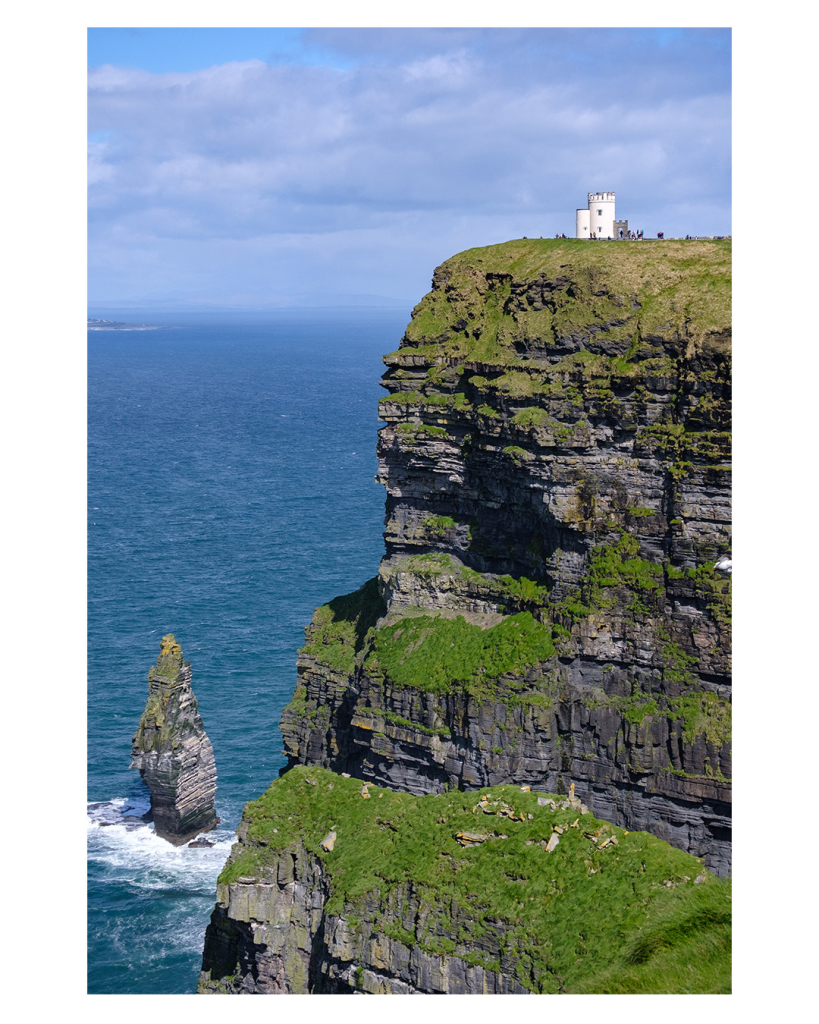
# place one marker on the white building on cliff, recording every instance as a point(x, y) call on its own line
point(598, 220)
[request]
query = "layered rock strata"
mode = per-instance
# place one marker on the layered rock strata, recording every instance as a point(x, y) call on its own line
point(335, 887)
point(556, 457)
point(173, 753)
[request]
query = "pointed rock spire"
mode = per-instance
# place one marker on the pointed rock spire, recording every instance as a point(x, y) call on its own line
point(172, 752)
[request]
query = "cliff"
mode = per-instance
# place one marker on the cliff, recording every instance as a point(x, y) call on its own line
point(556, 458)
point(335, 887)
point(172, 752)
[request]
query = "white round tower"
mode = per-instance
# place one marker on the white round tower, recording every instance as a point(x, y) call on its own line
point(601, 214)
point(582, 224)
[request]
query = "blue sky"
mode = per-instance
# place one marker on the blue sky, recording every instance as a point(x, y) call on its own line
point(273, 167)
point(191, 49)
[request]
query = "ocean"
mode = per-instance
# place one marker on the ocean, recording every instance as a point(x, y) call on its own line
point(231, 464)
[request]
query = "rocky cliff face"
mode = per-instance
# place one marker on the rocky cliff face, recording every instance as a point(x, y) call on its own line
point(273, 936)
point(335, 887)
point(556, 457)
point(172, 752)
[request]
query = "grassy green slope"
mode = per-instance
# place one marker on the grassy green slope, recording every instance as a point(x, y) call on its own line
point(624, 918)
point(675, 286)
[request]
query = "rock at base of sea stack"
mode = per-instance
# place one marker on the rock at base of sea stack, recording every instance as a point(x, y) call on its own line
point(172, 752)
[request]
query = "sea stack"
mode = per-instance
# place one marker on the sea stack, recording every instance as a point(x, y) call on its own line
point(172, 752)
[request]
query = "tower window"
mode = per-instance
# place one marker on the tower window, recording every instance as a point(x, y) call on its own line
point(599, 213)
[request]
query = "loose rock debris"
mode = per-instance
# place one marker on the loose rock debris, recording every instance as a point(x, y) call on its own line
point(471, 838)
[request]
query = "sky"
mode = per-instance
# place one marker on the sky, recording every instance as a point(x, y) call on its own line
point(254, 168)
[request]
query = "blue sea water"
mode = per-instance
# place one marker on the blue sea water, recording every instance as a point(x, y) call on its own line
point(230, 491)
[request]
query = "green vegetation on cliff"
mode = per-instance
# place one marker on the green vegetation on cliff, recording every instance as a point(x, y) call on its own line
point(557, 457)
point(489, 304)
point(605, 910)
point(157, 724)
point(338, 629)
point(444, 654)
point(438, 654)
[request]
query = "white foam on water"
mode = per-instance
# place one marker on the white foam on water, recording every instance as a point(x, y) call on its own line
point(130, 851)
point(113, 811)
point(157, 897)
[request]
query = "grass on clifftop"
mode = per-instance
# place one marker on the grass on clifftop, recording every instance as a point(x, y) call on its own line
point(690, 274)
point(624, 918)
point(628, 290)
point(629, 265)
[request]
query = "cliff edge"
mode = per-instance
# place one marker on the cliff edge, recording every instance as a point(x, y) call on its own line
point(172, 752)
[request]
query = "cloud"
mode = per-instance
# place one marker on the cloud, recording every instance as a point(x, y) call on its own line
point(426, 136)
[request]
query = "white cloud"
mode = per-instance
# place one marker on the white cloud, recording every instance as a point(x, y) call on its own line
point(451, 69)
point(98, 170)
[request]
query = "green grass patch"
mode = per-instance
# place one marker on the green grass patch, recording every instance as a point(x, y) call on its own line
point(677, 664)
point(414, 429)
point(488, 411)
point(532, 416)
point(406, 723)
point(639, 709)
point(432, 564)
point(440, 655)
point(518, 455)
point(684, 947)
point(402, 398)
point(703, 713)
point(438, 526)
point(525, 591)
point(627, 917)
point(620, 565)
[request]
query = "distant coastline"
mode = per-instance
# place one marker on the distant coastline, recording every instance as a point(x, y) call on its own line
point(119, 325)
